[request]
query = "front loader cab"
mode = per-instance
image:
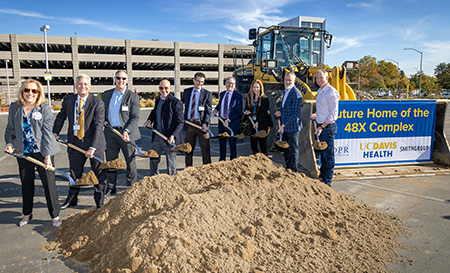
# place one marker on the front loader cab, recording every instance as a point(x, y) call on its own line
point(290, 46)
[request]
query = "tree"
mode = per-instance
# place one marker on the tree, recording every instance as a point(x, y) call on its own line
point(442, 73)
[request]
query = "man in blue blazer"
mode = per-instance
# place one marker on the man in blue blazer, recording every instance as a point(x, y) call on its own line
point(230, 109)
point(198, 106)
point(291, 123)
point(91, 139)
point(122, 110)
point(167, 118)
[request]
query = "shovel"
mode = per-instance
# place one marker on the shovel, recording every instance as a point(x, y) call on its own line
point(207, 135)
point(239, 136)
point(317, 144)
point(182, 148)
point(260, 134)
point(37, 162)
point(114, 165)
point(280, 143)
point(149, 153)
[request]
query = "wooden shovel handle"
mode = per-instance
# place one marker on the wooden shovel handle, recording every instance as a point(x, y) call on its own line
point(160, 134)
point(76, 148)
point(37, 162)
point(193, 124)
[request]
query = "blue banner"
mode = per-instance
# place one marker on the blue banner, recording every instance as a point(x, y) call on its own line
point(380, 132)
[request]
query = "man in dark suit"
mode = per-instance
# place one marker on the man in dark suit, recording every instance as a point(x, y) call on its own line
point(291, 123)
point(122, 113)
point(167, 118)
point(86, 114)
point(230, 109)
point(198, 106)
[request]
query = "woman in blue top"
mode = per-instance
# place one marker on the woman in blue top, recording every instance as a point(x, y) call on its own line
point(29, 130)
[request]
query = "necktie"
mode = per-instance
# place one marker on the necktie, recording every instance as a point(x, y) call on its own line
point(225, 106)
point(80, 132)
point(193, 105)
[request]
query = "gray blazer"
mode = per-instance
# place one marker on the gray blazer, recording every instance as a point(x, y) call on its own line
point(128, 119)
point(41, 129)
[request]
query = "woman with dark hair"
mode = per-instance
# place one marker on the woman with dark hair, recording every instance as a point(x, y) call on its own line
point(29, 131)
point(257, 109)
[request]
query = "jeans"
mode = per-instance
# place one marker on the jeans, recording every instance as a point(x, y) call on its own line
point(327, 155)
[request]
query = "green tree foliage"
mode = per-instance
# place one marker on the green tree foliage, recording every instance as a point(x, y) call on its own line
point(442, 73)
point(375, 74)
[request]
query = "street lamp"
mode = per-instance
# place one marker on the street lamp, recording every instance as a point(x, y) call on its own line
point(396, 84)
point(7, 82)
point(47, 75)
point(420, 75)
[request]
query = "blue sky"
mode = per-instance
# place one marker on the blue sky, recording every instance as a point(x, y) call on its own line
point(379, 28)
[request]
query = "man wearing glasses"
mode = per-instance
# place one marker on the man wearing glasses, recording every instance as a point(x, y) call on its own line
point(166, 118)
point(122, 113)
point(198, 105)
point(230, 110)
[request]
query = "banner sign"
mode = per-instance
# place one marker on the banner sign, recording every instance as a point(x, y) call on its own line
point(384, 132)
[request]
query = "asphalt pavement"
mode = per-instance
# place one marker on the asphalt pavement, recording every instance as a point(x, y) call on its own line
point(421, 200)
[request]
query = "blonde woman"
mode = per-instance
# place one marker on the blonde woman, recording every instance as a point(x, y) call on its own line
point(29, 131)
point(257, 109)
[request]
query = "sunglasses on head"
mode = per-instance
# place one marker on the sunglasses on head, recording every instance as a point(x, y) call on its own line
point(27, 90)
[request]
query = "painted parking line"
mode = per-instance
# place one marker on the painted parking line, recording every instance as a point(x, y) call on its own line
point(400, 192)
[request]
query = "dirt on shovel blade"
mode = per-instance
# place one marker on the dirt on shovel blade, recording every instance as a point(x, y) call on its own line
point(87, 179)
point(222, 135)
point(183, 148)
point(320, 145)
point(150, 153)
point(113, 165)
point(282, 144)
point(261, 134)
point(239, 136)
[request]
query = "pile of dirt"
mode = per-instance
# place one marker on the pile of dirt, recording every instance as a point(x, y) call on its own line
point(245, 215)
point(150, 153)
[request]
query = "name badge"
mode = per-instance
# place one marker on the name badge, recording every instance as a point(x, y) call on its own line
point(124, 108)
point(76, 127)
point(37, 115)
point(201, 108)
point(254, 118)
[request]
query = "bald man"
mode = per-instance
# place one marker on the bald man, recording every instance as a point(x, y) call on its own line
point(167, 118)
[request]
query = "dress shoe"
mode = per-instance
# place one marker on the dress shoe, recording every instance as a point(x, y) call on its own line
point(56, 221)
point(25, 220)
point(99, 206)
point(111, 192)
point(68, 205)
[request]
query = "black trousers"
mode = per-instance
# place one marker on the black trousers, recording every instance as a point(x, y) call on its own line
point(191, 135)
point(27, 176)
point(76, 162)
point(114, 144)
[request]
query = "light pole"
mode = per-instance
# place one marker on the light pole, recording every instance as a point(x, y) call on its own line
point(420, 75)
point(397, 63)
point(44, 28)
point(7, 82)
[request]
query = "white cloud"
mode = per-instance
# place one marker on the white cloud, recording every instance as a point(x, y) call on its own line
point(239, 16)
point(74, 21)
point(374, 5)
point(25, 13)
point(344, 43)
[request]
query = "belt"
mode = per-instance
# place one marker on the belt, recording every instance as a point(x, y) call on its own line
point(117, 128)
point(196, 121)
